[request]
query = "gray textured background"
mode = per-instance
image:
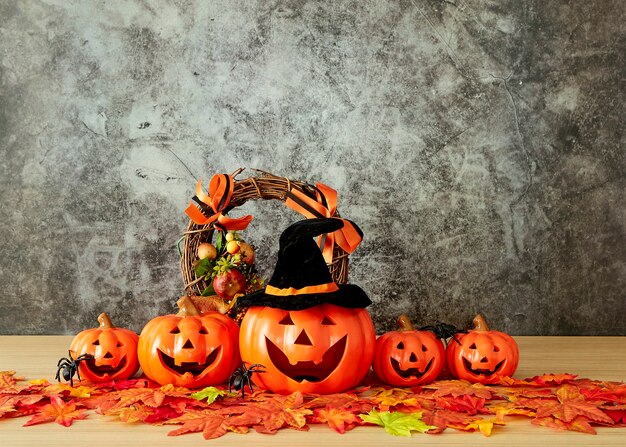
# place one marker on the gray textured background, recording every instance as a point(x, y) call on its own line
point(478, 144)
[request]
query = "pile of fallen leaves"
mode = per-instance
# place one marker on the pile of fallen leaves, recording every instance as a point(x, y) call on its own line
point(560, 401)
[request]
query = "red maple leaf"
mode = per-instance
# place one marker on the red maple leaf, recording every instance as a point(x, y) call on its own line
point(551, 379)
point(465, 403)
point(618, 415)
point(445, 418)
point(63, 413)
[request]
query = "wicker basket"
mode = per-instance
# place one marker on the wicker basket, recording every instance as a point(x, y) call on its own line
point(264, 186)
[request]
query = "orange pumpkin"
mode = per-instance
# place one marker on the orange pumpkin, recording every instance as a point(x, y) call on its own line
point(482, 355)
point(408, 357)
point(323, 349)
point(189, 349)
point(113, 351)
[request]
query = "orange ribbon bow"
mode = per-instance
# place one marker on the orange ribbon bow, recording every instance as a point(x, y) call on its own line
point(210, 207)
point(348, 237)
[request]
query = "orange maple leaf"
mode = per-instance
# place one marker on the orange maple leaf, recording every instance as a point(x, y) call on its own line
point(339, 419)
point(8, 383)
point(63, 413)
point(337, 400)
point(212, 426)
point(580, 424)
point(457, 388)
point(570, 405)
point(385, 398)
point(484, 425)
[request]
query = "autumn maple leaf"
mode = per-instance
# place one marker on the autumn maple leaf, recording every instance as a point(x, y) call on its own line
point(63, 413)
point(337, 400)
point(570, 405)
point(8, 383)
point(485, 426)
point(385, 398)
point(397, 423)
point(465, 403)
point(339, 419)
point(211, 425)
point(457, 388)
point(551, 379)
point(580, 424)
point(439, 420)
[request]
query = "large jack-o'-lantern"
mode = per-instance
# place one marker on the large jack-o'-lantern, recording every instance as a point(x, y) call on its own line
point(112, 350)
point(311, 334)
point(482, 355)
point(189, 349)
point(408, 357)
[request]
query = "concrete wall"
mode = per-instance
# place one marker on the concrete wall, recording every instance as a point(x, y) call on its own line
point(478, 144)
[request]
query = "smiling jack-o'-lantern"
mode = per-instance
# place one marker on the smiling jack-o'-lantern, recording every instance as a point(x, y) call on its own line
point(311, 334)
point(113, 352)
point(408, 357)
point(482, 355)
point(189, 349)
point(323, 349)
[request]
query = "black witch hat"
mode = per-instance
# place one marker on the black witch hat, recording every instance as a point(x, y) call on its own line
point(301, 278)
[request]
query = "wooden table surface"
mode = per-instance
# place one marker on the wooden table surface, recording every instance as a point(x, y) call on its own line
point(601, 358)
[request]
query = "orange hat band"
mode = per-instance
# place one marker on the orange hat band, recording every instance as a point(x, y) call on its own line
point(320, 288)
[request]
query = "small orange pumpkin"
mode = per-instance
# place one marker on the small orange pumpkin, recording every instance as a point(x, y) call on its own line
point(113, 351)
point(408, 357)
point(323, 349)
point(482, 355)
point(189, 349)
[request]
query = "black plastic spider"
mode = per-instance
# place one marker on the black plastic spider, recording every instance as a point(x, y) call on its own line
point(241, 377)
point(66, 368)
point(444, 331)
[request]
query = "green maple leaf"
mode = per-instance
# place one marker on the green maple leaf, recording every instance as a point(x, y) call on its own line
point(211, 394)
point(397, 423)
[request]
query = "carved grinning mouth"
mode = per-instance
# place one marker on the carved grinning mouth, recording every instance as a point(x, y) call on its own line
point(409, 372)
point(194, 368)
point(307, 370)
point(482, 371)
point(103, 370)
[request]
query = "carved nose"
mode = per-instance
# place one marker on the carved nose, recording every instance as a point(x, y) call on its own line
point(484, 360)
point(303, 339)
point(188, 345)
point(413, 357)
point(108, 355)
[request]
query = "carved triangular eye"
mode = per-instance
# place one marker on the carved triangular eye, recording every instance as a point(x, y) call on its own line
point(203, 331)
point(400, 345)
point(96, 343)
point(496, 349)
point(119, 344)
point(175, 330)
point(424, 348)
point(326, 321)
point(286, 320)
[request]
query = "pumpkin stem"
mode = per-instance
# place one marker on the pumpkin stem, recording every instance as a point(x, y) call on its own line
point(405, 323)
point(105, 321)
point(187, 308)
point(480, 324)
